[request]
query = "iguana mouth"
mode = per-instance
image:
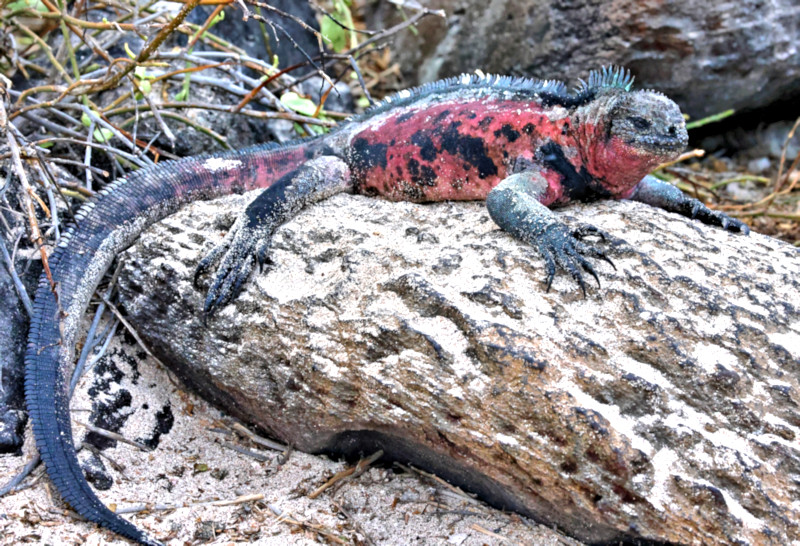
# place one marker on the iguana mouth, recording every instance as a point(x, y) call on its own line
point(662, 143)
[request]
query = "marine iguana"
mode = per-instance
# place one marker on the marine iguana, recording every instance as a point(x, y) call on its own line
point(522, 145)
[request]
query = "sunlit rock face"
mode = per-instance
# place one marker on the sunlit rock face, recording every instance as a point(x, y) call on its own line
point(662, 406)
point(708, 56)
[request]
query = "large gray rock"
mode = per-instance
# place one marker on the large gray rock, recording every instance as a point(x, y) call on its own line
point(708, 56)
point(663, 406)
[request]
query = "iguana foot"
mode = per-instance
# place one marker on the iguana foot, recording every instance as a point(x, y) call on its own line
point(559, 246)
point(716, 218)
point(243, 247)
point(660, 194)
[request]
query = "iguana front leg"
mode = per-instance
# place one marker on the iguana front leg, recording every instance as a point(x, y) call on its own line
point(514, 206)
point(247, 243)
point(660, 194)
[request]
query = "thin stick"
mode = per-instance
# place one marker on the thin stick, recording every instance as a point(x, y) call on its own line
point(457, 490)
point(27, 197)
point(145, 53)
point(13, 484)
point(144, 507)
point(132, 331)
point(111, 435)
point(356, 470)
point(330, 535)
point(260, 440)
point(683, 157)
point(476, 527)
point(23, 294)
point(244, 451)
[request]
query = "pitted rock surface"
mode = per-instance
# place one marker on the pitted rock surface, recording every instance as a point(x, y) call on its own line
point(663, 406)
point(707, 56)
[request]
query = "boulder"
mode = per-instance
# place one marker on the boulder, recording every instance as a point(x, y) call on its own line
point(663, 406)
point(708, 56)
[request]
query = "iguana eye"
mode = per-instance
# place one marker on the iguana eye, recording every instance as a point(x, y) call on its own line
point(639, 123)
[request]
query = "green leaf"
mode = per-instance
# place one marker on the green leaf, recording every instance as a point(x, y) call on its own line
point(362, 102)
point(102, 135)
point(295, 102)
point(86, 120)
point(182, 95)
point(710, 119)
point(217, 19)
point(32, 4)
point(333, 33)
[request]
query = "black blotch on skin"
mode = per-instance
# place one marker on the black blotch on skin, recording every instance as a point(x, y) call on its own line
point(369, 191)
point(428, 175)
point(422, 175)
point(529, 128)
point(442, 115)
point(578, 185)
point(507, 131)
point(399, 170)
point(485, 122)
point(469, 148)
point(427, 150)
point(269, 204)
point(365, 156)
point(472, 115)
point(405, 117)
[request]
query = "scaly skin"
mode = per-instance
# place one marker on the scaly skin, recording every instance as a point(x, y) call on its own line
point(522, 145)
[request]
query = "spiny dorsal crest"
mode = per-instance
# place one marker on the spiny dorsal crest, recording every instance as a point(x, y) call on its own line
point(608, 77)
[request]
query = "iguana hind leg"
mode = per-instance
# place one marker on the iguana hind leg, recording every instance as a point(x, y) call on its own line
point(514, 206)
point(247, 243)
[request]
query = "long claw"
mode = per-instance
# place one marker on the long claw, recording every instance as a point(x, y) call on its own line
point(558, 245)
point(588, 267)
point(206, 263)
point(587, 229)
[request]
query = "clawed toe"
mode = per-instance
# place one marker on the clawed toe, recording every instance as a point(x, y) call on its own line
point(587, 229)
point(560, 246)
point(241, 254)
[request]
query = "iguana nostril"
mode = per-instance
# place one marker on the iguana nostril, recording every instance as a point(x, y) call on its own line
point(672, 130)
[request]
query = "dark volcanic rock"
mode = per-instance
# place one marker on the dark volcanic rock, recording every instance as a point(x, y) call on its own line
point(708, 56)
point(663, 406)
point(14, 328)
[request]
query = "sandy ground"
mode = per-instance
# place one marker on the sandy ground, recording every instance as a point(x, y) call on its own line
point(196, 464)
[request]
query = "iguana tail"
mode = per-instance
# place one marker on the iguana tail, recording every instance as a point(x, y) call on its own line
point(106, 225)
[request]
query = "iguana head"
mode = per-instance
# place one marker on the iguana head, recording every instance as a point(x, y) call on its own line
point(646, 123)
point(626, 134)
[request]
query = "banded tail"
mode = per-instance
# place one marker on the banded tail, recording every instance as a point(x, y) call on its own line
point(108, 224)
